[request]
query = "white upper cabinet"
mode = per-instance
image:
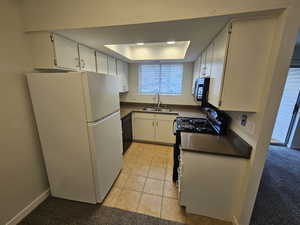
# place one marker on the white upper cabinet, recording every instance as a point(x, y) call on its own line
point(51, 51)
point(102, 63)
point(203, 63)
point(206, 60)
point(66, 52)
point(87, 59)
point(240, 58)
point(209, 59)
point(125, 77)
point(122, 72)
point(112, 67)
point(196, 72)
point(218, 66)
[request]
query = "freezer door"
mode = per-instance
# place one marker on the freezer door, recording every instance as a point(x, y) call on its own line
point(101, 95)
point(106, 147)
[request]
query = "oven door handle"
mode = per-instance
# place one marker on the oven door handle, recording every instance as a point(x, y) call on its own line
point(174, 129)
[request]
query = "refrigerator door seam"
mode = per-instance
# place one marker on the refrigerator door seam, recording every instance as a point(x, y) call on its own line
point(103, 118)
point(84, 92)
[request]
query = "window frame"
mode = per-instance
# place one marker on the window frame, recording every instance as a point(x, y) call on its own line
point(155, 93)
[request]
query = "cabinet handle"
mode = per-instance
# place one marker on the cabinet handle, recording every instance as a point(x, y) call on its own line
point(152, 123)
point(77, 62)
point(157, 123)
point(83, 63)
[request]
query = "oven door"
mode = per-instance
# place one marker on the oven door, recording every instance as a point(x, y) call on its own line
point(176, 155)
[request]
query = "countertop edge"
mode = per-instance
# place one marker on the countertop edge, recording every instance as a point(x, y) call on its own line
point(215, 153)
point(236, 146)
point(142, 111)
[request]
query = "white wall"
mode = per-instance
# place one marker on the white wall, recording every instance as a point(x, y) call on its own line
point(22, 173)
point(61, 14)
point(185, 99)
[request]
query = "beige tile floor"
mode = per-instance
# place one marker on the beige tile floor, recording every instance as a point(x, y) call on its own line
point(145, 186)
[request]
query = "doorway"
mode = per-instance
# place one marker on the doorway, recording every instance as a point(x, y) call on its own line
point(288, 110)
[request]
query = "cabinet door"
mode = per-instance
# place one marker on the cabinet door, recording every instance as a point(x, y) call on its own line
point(125, 82)
point(196, 72)
point(102, 63)
point(87, 59)
point(218, 66)
point(164, 131)
point(144, 129)
point(209, 59)
point(112, 67)
point(66, 53)
point(120, 74)
point(247, 59)
point(124, 78)
point(203, 64)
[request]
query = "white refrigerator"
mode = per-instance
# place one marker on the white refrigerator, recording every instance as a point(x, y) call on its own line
point(78, 120)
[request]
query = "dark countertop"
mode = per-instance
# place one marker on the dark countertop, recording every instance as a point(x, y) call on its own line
point(228, 145)
point(185, 111)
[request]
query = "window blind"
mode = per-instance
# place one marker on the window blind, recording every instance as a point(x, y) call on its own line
point(165, 79)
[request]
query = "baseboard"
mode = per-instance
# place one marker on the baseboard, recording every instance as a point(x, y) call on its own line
point(29, 208)
point(235, 221)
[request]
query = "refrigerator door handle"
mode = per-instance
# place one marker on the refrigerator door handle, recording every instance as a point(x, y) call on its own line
point(96, 122)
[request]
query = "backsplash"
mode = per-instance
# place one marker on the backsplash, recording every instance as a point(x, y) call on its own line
point(247, 132)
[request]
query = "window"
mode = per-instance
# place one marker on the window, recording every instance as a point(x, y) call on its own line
point(165, 79)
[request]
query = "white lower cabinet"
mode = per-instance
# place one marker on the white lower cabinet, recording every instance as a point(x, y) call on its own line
point(144, 129)
point(208, 184)
point(164, 129)
point(153, 127)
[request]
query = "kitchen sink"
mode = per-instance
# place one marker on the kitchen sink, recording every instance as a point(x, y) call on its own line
point(156, 109)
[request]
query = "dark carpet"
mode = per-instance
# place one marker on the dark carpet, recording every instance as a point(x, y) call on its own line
point(55, 211)
point(278, 198)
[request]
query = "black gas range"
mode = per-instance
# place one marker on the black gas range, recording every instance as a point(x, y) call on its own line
point(195, 125)
point(214, 123)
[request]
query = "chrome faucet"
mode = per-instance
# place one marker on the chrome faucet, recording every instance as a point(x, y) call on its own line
point(158, 100)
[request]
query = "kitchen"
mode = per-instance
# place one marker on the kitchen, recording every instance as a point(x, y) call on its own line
point(141, 117)
point(217, 79)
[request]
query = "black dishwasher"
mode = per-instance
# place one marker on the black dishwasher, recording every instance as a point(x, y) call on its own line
point(127, 132)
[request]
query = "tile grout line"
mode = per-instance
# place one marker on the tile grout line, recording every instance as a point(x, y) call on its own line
point(142, 192)
point(162, 199)
point(164, 181)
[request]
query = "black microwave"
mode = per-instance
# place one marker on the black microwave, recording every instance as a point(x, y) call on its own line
point(201, 90)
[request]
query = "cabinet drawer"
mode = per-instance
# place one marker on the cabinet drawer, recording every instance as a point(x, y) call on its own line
point(165, 117)
point(144, 115)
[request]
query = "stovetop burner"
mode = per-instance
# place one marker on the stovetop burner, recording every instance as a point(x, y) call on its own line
point(215, 122)
point(196, 125)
